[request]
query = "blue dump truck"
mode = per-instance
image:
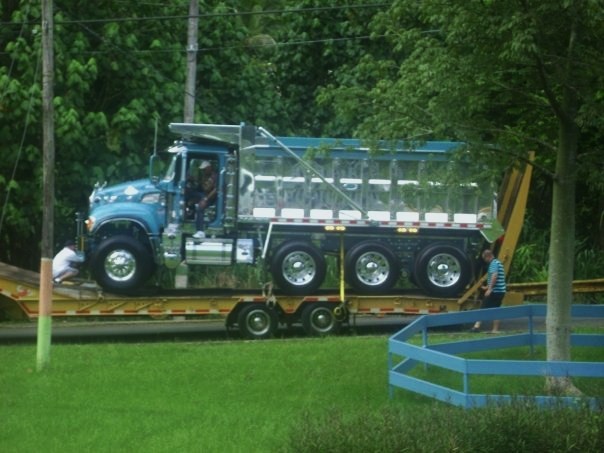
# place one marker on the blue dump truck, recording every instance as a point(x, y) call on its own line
point(391, 213)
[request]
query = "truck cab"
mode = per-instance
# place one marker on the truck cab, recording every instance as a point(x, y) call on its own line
point(134, 227)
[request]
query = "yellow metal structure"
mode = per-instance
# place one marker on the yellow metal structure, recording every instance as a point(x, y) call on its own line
point(19, 293)
point(540, 288)
point(512, 207)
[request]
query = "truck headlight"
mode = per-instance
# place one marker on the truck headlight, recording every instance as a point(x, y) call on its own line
point(151, 198)
point(89, 223)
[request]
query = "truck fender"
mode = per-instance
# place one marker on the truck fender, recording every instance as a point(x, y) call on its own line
point(143, 215)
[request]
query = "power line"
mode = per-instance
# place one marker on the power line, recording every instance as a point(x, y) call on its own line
point(240, 46)
point(207, 15)
point(219, 48)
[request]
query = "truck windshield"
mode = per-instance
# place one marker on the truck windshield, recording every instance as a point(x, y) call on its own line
point(171, 171)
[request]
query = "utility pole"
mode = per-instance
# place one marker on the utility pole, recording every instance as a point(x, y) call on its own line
point(48, 187)
point(189, 110)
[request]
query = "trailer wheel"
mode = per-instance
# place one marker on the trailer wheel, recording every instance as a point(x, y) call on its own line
point(121, 264)
point(298, 267)
point(442, 270)
point(257, 322)
point(320, 320)
point(371, 268)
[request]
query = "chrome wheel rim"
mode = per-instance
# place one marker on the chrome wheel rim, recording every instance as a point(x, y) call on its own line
point(299, 268)
point(120, 265)
point(444, 270)
point(322, 320)
point(372, 268)
point(258, 322)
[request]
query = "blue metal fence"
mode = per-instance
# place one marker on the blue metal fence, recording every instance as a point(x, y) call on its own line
point(403, 356)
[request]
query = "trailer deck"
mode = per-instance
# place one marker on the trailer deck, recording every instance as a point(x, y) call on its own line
point(19, 292)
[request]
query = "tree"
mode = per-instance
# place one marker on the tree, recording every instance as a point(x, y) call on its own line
point(318, 39)
point(523, 74)
point(119, 65)
point(108, 85)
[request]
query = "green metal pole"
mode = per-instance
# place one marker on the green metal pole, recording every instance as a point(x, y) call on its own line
point(44, 315)
point(342, 281)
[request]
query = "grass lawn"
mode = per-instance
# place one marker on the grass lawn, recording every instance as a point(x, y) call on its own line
point(210, 396)
point(222, 396)
point(514, 385)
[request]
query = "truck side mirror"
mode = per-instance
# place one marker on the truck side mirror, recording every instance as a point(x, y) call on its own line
point(153, 170)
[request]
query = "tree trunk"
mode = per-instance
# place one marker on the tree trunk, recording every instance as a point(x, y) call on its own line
point(48, 196)
point(561, 256)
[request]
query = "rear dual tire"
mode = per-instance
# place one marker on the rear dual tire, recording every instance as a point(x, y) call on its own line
point(371, 268)
point(298, 267)
point(442, 270)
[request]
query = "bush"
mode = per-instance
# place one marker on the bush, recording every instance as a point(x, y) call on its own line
point(589, 262)
point(515, 427)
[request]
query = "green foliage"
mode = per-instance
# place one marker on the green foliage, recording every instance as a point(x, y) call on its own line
point(317, 45)
point(589, 261)
point(111, 79)
point(530, 264)
point(531, 258)
point(461, 70)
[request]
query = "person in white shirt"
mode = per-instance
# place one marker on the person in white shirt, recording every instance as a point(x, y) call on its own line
point(64, 264)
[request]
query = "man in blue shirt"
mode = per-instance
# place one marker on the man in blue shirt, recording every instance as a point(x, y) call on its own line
point(494, 287)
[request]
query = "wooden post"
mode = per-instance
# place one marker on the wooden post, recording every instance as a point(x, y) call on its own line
point(189, 110)
point(45, 302)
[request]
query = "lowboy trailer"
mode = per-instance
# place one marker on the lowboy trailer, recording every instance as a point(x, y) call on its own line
point(257, 313)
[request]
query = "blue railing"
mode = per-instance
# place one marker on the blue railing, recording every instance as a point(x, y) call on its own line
point(404, 357)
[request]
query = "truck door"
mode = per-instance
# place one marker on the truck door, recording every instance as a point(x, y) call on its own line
point(203, 184)
point(173, 187)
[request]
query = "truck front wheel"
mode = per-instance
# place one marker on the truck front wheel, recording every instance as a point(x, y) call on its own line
point(298, 268)
point(121, 264)
point(442, 270)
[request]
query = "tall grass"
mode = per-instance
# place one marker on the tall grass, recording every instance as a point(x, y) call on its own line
point(434, 428)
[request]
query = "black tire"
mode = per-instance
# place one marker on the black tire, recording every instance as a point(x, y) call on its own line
point(121, 264)
point(298, 268)
point(442, 270)
point(257, 322)
point(371, 268)
point(320, 320)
